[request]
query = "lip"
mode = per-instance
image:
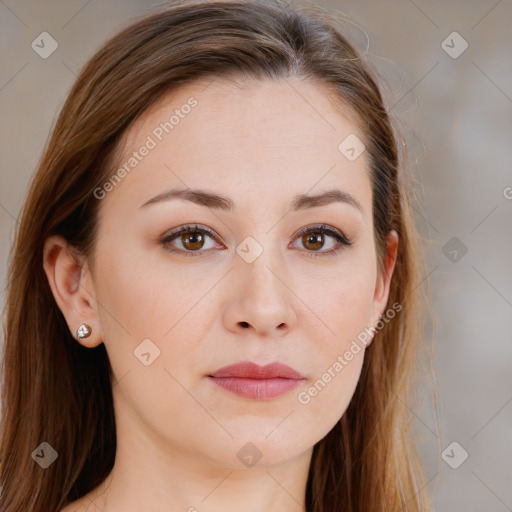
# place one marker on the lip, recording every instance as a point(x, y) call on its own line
point(249, 380)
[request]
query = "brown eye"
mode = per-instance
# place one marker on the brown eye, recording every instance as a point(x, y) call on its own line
point(194, 241)
point(313, 240)
point(189, 240)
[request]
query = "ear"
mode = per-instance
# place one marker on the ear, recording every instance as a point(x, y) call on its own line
point(72, 287)
point(383, 282)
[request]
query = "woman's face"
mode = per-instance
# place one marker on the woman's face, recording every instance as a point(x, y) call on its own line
point(252, 287)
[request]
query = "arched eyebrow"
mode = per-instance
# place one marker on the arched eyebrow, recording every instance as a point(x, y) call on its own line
point(218, 202)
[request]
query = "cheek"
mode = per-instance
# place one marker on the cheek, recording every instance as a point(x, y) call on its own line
point(137, 295)
point(145, 307)
point(342, 294)
point(338, 357)
point(351, 307)
point(344, 305)
point(329, 393)
point(149, 325)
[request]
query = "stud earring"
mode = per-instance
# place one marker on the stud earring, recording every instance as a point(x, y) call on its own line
point(84, 331)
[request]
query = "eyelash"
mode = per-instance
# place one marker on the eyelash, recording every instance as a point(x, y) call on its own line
point(322, 228)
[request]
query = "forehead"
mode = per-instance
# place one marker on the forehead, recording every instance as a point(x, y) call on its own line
point(254, 138)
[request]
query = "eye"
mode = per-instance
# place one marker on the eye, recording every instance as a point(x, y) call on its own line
point(313, 238)
point(191, 237)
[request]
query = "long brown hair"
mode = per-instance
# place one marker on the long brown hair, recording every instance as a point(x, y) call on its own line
point(56, 391)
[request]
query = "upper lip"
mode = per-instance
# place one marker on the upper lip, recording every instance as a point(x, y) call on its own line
point(250, 370)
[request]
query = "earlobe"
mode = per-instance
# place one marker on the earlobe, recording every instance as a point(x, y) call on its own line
point(72, 292)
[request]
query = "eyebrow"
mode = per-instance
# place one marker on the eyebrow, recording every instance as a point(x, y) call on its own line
point(215, 201)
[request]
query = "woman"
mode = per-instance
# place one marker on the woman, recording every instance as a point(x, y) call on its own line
point(213, 300)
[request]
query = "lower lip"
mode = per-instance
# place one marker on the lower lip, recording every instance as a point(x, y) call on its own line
point(256, 389)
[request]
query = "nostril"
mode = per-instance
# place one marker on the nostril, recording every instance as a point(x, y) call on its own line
point(245, 324)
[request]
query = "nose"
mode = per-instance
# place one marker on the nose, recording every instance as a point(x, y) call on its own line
point(260, 298)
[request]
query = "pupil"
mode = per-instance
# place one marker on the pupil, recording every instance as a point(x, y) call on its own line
point(194, 238)
point(315, 239)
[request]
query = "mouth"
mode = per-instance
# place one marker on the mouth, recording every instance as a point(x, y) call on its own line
point(249, 380)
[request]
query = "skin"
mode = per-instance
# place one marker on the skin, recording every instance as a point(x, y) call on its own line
point(178, 434)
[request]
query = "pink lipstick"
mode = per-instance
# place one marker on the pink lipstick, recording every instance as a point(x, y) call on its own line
point(249, 380)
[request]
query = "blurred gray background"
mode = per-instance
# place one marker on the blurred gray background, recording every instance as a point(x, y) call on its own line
point(449, 69)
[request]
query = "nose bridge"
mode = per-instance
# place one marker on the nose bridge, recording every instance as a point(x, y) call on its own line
point(260, 297)
point(260, 264)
